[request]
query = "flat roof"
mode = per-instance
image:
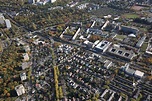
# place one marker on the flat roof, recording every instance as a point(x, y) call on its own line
point(122, 52)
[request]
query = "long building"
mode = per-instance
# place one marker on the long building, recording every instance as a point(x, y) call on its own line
point(121, 52)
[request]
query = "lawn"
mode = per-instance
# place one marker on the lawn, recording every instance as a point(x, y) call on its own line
point(144, 47)
point(120, 37)
point(130, 15)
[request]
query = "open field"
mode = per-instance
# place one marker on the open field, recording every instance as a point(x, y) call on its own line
point(120, 37)
point(144, 47)
point(130, 16)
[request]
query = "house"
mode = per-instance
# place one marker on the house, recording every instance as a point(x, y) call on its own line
point(88, 44)
point(26, 65)
point(20, 90)
point(23, 76)
point(129, 71)
point(26, 57)
point(103, 46)
point(27, 48)
point(107, 64)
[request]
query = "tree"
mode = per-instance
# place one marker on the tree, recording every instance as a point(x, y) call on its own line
point(60, 92)
point(34, 26)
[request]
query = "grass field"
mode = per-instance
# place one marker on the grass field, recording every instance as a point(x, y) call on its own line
point(130, 16)
point(144, 47)
point(121, 37)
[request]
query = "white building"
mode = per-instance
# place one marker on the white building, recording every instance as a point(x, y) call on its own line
point(52, 1)
point(8, 23)
point(20, 90)
point(26, 57)
point(138, 74)
point(103, 46)
point(23, 76)
point(107, 64)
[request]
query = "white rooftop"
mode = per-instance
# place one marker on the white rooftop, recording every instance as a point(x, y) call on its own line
point(139, 73)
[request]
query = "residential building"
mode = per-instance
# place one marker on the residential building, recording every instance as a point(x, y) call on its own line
point(27, 48)
point(102, 46)
point(129, 71)
point(26, 57)
point(23, 76)
point(107, 64)
point(20, 90)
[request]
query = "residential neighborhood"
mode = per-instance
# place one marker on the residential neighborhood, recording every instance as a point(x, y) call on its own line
point(75, 50)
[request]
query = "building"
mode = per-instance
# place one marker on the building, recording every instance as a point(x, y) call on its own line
point(25, 65)
point(121, 52)
point(140, 42)
point(88, 44)
point(128, 29)
point(8, 23)
point(2, 19)
point(138, 74)
point(149, 48)
point(23, 76)
point(102, 46)
point(20, 90)
point(94, 31)
point(107, 64)
point(26, 57)
point(129, 71)
point(31, 1)
point(52, 1)
point(27, 48)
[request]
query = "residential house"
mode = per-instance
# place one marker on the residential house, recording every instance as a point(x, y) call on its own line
point(23, 76)
point(25, 57)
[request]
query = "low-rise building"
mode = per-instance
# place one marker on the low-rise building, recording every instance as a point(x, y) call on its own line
point(26, 57)
point(23, 76)
point(107, 64)
point(138, 74)
point(20, 90)
point(25, 65)
point(140, 42)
